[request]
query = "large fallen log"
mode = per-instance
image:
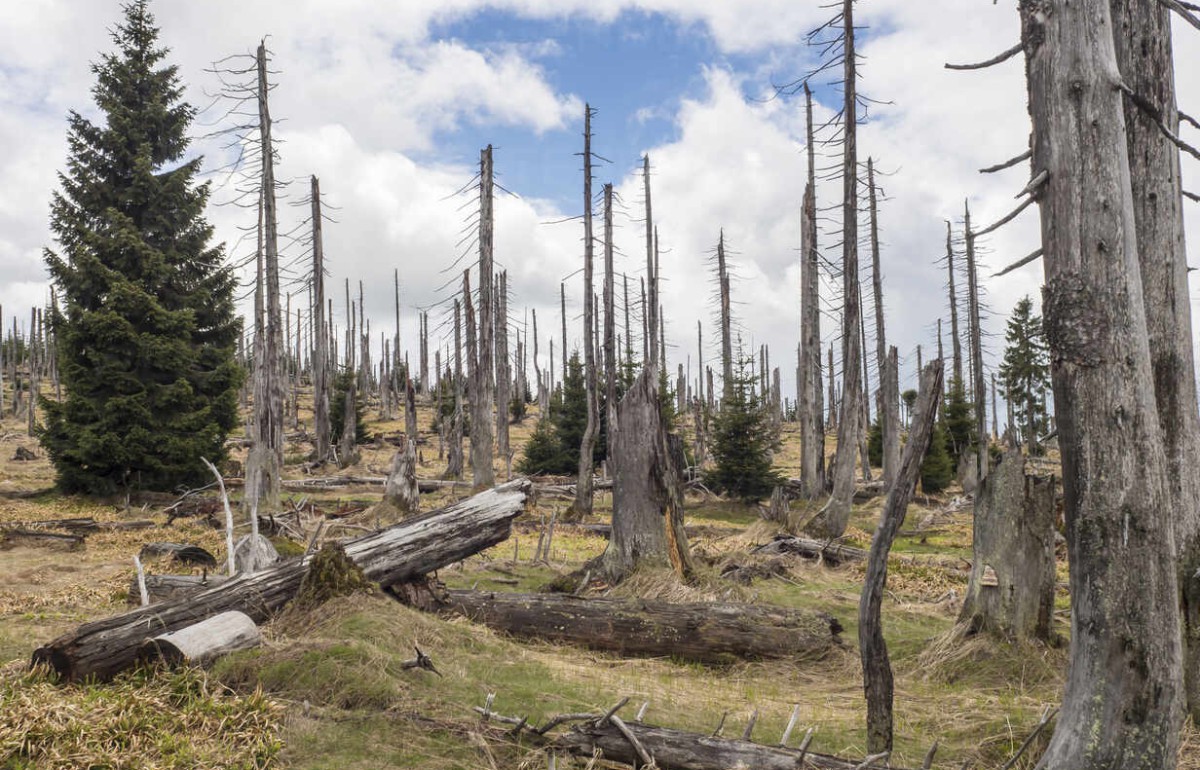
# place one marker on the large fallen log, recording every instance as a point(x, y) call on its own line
point(679, 750)
point(832, 554)
point(703, 632)
point(403, 552)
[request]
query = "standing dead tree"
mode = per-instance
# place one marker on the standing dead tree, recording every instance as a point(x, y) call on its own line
point(877, 670)
point(650, 319)
point(1124, 689)
point(809, 386)
point(320, 359)
point(265, 462)
point(978, 387)
point(610, 326)
point(835, 516)
point(583, 487)
point(889, 395)
point(1142, 36)
point(955, 340)
point(503, 367)
point(482, 394)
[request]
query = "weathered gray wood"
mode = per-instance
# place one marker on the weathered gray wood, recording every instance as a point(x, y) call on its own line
point(649, 320)
point(164, 587)
point(403, 552)
point(726, 319)
point(483, 391)
point(1011, 590)
point(1124, 689)
point(1142, 35)
point(978, 388)
point(400, 491)
point(583, 487)
point(679, 750)
point(835, 516)
point(877, 670)
point(703, 632)
point(888, 405)
point(183, 553)
point(320, 360)
point(647, 487)
point(253, 553)
point(503, 368)
point(203, 642)
point(956, 377)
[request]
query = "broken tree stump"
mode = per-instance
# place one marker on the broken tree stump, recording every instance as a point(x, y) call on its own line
point(203, 642)
point(410, 549)
point(702, 632)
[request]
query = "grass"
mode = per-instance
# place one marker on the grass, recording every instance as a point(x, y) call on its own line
point(329, 690)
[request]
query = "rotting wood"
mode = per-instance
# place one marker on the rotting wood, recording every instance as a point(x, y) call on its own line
point(203, 642)
point(703, 632)
point(405, 551)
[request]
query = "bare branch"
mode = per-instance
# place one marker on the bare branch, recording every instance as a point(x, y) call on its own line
point(1008, 163)
point(1019, 263)
point(1003, 57)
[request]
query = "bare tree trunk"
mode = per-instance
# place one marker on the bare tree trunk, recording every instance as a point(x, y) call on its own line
point(877, 670)
point(955, 340)
point(482, 393)
point(650, 318)
point(454, 466)
point(1142, 35)
point(835, 516)
point(265, 463)
point(610, 326)
point(583, 487)
point(411, 428)
point(400, 490)
point(1123, 699)
point(503, 369)
point(562, 296)
point(979, 388)
point(808, 379)
point(1011, 591)
point(320, 363)
point(726, 319)
point(889, 420)
point(348, 443)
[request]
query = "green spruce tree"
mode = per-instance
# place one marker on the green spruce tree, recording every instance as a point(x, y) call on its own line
point(1025, 371)
point(147, 330)
point(742, 444)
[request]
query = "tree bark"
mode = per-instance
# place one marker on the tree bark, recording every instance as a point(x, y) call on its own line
point(1011, 590)
point(702, 632)
point(647, 487)
point(1142, 35)
point(979, 389)
point(1123, 698)
point(408, 550)
point(484, 391)
point(583, 487)
point(650, 318)
point(503, 369)
point(203, 642)
point(320, 362)
point(809, 383)
point(877, 669)
point(955, 339)
point(889, 420)
point(726, 319)
point(835, 516)
point(400, 491)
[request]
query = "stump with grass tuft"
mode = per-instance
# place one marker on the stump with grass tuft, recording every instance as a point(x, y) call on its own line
point(330, 574)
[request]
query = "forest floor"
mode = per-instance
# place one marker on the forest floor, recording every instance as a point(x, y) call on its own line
point(327, 690)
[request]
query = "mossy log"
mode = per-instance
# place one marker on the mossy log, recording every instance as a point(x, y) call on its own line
point(408, 550)
point(702, 632)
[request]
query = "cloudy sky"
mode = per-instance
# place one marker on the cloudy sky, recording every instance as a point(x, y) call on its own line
point(390, 101)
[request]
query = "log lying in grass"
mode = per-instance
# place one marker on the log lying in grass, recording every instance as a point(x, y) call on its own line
point(832, 554)
point(14, 537)
point(166, 587)
point(679, 750)
point(405, 551)
point(203, 642)
point(703, 632)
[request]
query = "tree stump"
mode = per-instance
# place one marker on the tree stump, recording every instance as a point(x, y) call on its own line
point(400, 491)
point(1011, 591)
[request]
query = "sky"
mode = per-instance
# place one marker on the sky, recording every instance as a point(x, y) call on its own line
point(389, 102)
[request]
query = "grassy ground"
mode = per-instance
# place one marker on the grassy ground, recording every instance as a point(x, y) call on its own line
point(328, 689)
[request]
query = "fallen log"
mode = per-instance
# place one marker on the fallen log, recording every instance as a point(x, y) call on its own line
point(679, 750)
point(203, 642)
point(403, 552)
point(165, 587)
point(832, 554)
point(184, 553)
point(703, 632)
point(14, 537)
point(692, 531)
point(82, 526)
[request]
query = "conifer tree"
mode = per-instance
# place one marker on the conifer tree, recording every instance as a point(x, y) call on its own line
point(147, 331)
point(1025, 371)
point(742, 443)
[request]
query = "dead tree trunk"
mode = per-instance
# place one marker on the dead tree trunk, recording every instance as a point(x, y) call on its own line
point(348, 442)
point(956, 372)
point(1142, 34)
point(982, 459)
point(503, 369)
point(649, 317)
point(400, 492)
point(889, 419)
point(726, 320)
point(647, 487)
point(1124, 690)
point(808, 378)
point(610, 328)
point(483, 391)
point(835, 516)
point(583, 487)
point(1011, 591)
point(399, 553)
point(265, 463)
point(204, 642)
point(877, 670)
point(705, 632)
point(320, 363)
